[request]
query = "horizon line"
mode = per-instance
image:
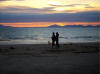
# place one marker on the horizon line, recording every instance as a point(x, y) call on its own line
point(56, 25)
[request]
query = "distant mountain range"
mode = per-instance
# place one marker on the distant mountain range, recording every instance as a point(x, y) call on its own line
point(55, 25)
point(2, 26)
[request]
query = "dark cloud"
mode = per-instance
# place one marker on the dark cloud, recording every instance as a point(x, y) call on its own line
point(89, 7)
point(73, 5)
point(92, 16)
point(77, 4)
point(4, 0)
point(10, 0)
point(24, 9)
point(57, 5)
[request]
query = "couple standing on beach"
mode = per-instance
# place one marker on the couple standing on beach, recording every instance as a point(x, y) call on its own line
point(55, 38)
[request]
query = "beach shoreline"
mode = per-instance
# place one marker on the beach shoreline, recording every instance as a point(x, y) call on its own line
point(65, 47)
point(73, 58)
point(30, 42)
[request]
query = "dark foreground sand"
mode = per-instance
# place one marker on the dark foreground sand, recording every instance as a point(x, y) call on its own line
point(78, 58)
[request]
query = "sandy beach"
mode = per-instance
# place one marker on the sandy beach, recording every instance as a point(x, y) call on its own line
point(72, 58)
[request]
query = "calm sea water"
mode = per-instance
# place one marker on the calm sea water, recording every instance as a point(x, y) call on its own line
point(43, 35)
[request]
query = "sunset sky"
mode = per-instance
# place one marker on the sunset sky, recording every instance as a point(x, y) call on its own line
point(42, 13)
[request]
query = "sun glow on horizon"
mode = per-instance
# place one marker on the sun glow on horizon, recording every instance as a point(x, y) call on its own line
point(46, 24)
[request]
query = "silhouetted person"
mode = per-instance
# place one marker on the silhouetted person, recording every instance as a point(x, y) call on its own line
point(57, 39)
point(53, 39)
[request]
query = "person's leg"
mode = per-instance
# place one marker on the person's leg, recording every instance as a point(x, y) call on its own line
point(57, 44)
point(53, 44)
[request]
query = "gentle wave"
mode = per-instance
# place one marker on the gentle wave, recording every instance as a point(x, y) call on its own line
point(4, 39)
point(43, 38)
point(77, 37)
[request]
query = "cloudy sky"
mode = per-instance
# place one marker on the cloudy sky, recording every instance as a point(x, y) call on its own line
point(42, 13)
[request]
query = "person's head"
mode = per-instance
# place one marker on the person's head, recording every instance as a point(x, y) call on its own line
point(53, 33)
point(57, 33)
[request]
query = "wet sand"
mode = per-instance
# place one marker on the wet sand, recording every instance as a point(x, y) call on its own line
point(73, 58)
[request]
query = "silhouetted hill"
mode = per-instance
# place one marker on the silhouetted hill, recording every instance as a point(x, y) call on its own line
point(73, 26)
point(2, 26)
point(55, 25)
point(92, 26)
point(98, 26)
